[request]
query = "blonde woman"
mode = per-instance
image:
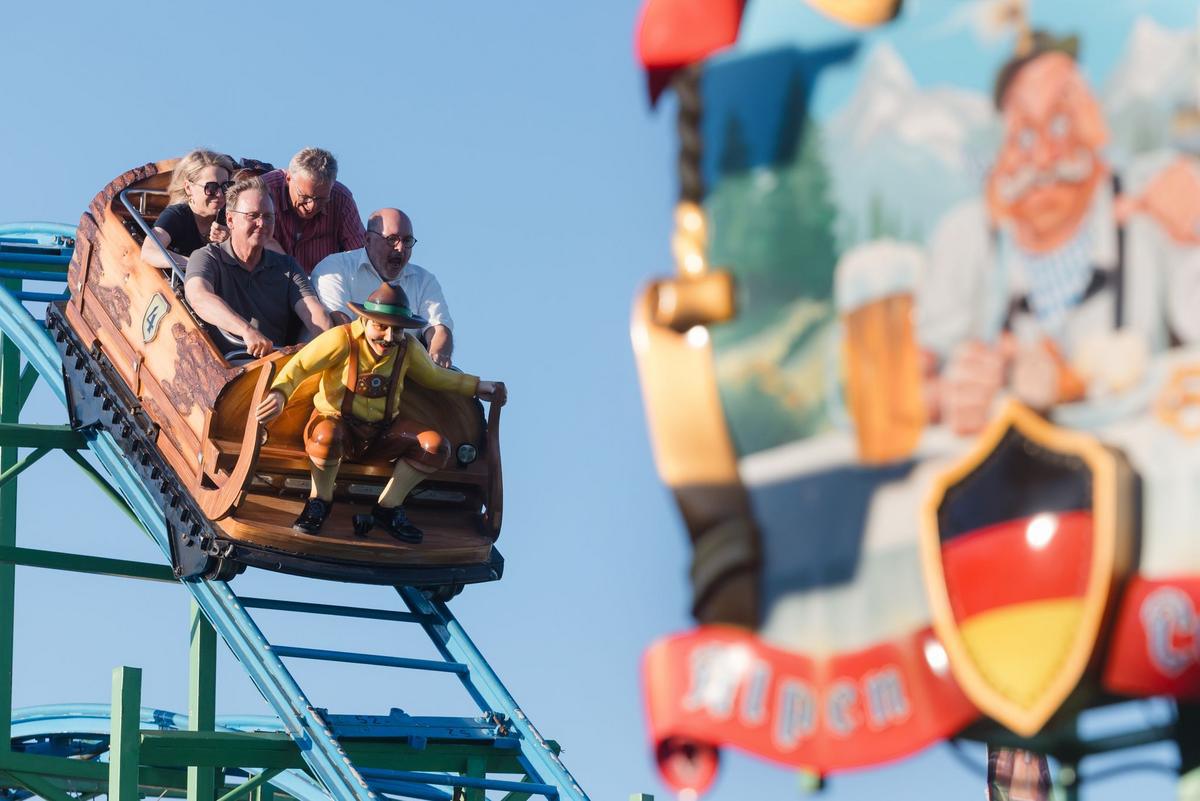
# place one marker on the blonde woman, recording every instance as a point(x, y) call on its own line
point(197, 192)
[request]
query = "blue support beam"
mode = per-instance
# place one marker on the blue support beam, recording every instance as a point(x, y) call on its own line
point(482, 683)
point(369, 659)
point(30, 275)
point(329, 609)
point(451, 780)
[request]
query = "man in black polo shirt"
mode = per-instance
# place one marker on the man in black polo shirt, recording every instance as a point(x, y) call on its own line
point(241, 287)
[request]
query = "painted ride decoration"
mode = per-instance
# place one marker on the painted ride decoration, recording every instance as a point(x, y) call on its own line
point(926, 382)
point(138, 363)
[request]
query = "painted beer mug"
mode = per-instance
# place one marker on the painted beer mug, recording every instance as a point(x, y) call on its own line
point(880, 362)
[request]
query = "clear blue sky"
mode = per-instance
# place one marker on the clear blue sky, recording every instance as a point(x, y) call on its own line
point(517, 136)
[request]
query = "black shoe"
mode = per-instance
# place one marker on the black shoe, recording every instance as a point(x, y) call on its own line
point(395, 522)
point(313, 516)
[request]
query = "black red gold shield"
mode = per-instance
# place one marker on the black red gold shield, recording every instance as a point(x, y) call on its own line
point(1023, 542)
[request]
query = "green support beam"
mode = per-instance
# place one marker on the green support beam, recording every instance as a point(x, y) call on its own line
point(29, 435)
point(220, 749)
point(476, 769)
point(88, 773)
point(62, 767)
point(202, 699)
point(250, 784)
point(24, 463)
point(124, 742)
point(10, 389)
point(13, 261)
point(264, 792)
point(105, 487)
point(29, 378)
point(41, 786)
point(517, 796)
point(81, 563)
point(277, 750)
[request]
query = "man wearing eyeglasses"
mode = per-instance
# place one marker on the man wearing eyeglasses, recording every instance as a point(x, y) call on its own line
point(316, 214)
point(241, 287)
point(352, 276)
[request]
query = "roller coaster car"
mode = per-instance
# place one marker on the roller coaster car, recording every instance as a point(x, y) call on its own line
point(138, 364)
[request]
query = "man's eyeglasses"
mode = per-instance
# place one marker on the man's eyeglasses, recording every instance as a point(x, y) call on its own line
point(312, 200)
point(255, 216)
point(214, 188)
point(396, 239)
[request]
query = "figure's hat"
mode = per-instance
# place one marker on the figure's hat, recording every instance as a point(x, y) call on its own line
point(388, 305)
point(1030, 44)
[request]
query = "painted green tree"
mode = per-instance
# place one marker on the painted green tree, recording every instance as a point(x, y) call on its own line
point(774, 225)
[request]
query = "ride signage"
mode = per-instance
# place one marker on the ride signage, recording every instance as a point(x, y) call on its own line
point(724, 686)
point(1156, 639)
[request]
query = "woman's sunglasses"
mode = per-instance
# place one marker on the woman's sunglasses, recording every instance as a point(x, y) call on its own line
point(213, 188)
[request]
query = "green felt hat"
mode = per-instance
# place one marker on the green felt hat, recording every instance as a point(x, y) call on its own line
point(388, 305)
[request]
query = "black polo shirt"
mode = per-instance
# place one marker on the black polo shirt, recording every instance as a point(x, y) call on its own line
point(266, 296)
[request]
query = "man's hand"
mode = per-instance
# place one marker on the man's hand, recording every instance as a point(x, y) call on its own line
point(972, 379)
point(440, 344)
point(257, 345)
point(493, 391)
point(440, 357)
point(1172, 199)
point(1035, 376)
point(270, 406)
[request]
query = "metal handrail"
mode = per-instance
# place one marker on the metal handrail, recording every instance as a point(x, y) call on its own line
point(145, 226)
point(144, 193)
point(176, 274)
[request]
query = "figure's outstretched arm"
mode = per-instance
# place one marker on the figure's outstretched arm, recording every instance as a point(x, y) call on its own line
point(493, 391)
point(422, 370)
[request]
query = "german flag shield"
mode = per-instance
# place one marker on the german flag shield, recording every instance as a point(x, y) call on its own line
point(1024, 544)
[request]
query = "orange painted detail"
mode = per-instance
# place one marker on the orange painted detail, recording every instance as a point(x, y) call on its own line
point(720, 686)
point(1000, 565)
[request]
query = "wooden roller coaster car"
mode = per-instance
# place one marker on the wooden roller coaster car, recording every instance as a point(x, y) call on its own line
point(138, 364)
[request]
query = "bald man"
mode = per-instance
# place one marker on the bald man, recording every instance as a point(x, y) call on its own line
point(348, 277)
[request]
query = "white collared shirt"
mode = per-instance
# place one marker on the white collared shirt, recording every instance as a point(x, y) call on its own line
point(343, 277)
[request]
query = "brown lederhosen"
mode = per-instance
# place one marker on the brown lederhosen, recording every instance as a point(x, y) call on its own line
point(328, 437)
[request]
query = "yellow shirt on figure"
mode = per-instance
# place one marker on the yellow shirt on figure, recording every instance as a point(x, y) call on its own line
point(328, 354)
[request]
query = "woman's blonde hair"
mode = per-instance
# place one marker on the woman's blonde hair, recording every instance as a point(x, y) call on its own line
point(190, 166)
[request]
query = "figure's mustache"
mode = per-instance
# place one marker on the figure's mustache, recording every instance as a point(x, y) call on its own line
point(1068, 170)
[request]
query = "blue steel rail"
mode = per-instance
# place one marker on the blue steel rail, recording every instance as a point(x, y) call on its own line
point(308, 726)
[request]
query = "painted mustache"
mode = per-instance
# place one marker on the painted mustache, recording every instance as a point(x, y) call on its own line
point(1071, 170)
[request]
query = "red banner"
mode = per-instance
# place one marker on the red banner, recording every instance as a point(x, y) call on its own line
point(1155, 647)
point(724, 686)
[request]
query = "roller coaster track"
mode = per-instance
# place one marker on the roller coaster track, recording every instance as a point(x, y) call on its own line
point(310, 728)
point(81, 730)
